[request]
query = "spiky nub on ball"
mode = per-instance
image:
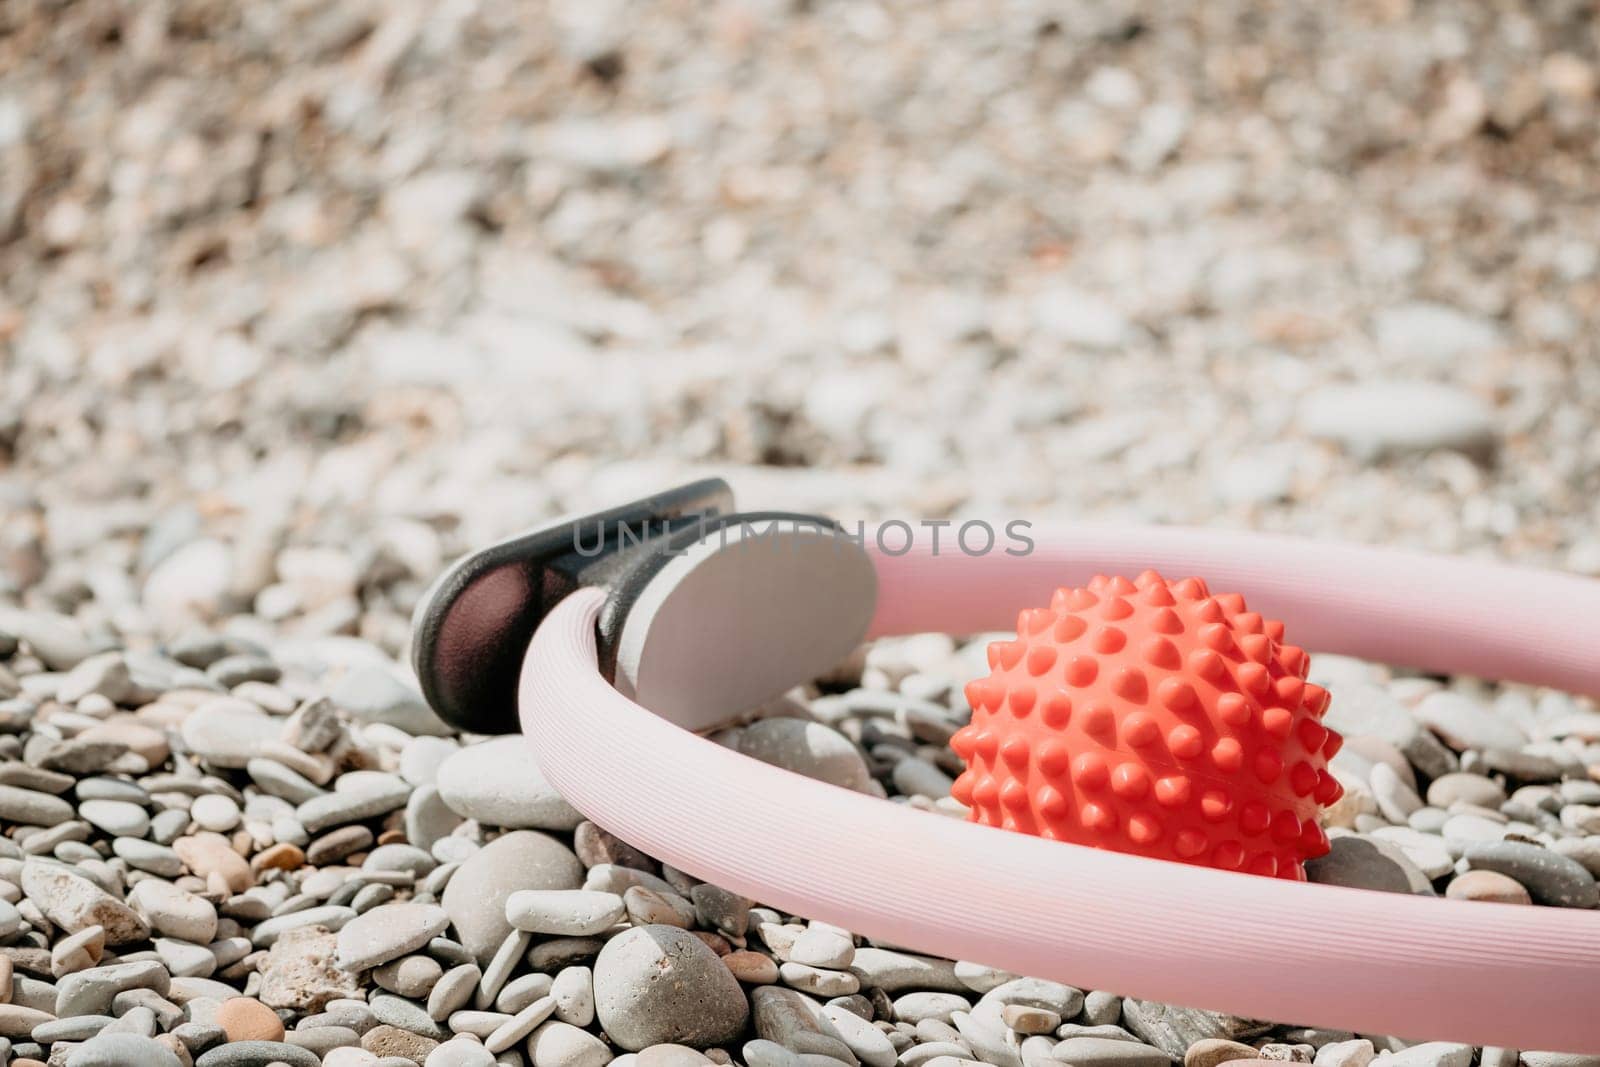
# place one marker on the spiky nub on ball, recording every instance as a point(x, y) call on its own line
point(1156, 718)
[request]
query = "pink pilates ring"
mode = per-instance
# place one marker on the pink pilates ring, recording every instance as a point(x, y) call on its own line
point(1309, 954)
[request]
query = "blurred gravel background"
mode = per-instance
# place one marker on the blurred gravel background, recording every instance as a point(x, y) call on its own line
point(365, 282)
point(301, 298)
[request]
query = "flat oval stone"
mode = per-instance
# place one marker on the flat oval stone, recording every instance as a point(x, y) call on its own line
point(228, 732)
point(498, 783)
point(32, 808)
point(564, 912)
point(387, 932)
point(123, 1050)
point(356, 796)
point(258, 1054)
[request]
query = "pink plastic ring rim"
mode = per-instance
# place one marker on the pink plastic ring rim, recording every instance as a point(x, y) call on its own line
point(1315, 955)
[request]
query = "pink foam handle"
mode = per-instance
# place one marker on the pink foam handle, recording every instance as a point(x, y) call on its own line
point(1371, 962)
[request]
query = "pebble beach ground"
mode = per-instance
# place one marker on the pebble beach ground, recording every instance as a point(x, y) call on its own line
point(301, 300)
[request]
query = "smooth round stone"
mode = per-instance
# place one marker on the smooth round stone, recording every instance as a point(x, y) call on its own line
point(148, 856)
point(247, 1019)
point(475, 899)
point(388, 931)
point(1056, 997)
point(559, 1044)
point(1487, 885)
point(573, 992)
point(356, 796)
point(807, 748)
point(421, 759)
point(452, 992)
point(1549, 877)
point(119, 818)
point(122, 1050)
point(428, 818)
point(374, 693)
point(564, 912)
point(215, 812)
point(460, 1052)
point(171, 911)
point(227, 731)
point(1366, 863)
point(1464, 827)
point(1586, 850)
point(409, 976)
point(915, 1007)
point(206, 853)
point(867, 1042)
point(1396, 800)
point(31, 807)
point(498, 783)
point(357, 1057)
point(258, 1054)
point(1428, 820)
point(524, 990)
point(112, 789)
point(660, 984)
point(822, 947)
point(1464, 723)
point(1462, 788)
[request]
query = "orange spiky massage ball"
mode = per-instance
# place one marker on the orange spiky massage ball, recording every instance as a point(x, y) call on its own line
point(1156, 718)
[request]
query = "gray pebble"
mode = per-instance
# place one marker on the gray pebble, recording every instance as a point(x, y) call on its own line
point(522, 991)
point(460, 1052)
point(32, 808)
point(656, 984)
point(258, 1054)
point(123, 1050)
point(1549, 877)
point(358, 795)
point(498, 783)
point(453, 991)
point(573, 992)
point(564, 912)
point(808, 748)
point(1367, 863)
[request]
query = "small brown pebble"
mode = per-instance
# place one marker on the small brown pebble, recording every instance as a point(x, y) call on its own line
point(211, 857)
point(1210, 1051)
point(715, 942)
point(392, 837)
point(26, 1062)
point(1490, 886)
point(752, 968)
point(385, 1040)
point(280, 857)
point(247, 1019)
